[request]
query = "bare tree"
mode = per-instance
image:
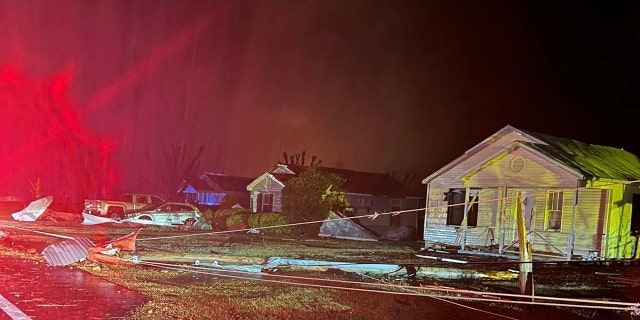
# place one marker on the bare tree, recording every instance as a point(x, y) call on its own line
point(174, 168)
point(299, 159)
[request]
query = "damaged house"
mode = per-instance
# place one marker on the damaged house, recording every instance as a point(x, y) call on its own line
point(578, 200)
point(367, 193)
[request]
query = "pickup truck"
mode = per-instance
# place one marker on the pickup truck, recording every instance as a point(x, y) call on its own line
point(116, 209)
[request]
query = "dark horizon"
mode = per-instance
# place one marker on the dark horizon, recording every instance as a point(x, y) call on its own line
point(381, 86)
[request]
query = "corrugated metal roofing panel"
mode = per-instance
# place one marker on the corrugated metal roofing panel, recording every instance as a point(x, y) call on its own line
point(67, 252)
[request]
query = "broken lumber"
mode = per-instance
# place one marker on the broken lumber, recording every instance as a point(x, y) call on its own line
point(179, 257)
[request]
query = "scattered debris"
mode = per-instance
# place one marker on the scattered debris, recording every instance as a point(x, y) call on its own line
point(67, 252)
point(195, 224)
point(629, 281)
point(126, 242)
point(104, 255)
point(7, 240)
point(441, 259)
point(39, 210)
point(112, 252)
point(79, 249)
point(397, 234)
point(337, 226)
point(57, 216)
point(89, 219)
point(34, 210)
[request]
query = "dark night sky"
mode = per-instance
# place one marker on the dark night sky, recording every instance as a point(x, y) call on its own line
point(365, 85)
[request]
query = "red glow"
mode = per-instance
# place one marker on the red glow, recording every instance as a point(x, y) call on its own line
point(43, 140)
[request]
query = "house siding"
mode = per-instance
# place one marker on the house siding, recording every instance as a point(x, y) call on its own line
point(521, 168)
point(382, 205)
point(267, 185)
point(596, 212)
point(436, 229)
point(618, 241)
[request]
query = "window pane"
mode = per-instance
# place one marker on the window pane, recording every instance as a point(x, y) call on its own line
point(554, 210)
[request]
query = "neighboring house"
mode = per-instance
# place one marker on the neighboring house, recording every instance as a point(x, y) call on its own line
point(211, 188)
point(577, 199)
point(367, 193)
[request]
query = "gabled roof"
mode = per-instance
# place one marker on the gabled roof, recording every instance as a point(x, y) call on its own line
point(263, 177)
point(484, 143)
point(228, 183)
point(505, 151)
point(591, 161)
point(376, 184)
point(216, 182)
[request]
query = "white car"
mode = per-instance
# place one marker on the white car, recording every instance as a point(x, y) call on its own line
point(166, 214)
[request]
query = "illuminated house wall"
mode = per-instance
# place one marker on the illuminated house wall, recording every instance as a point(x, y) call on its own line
point(551, 174)
point(211, 188)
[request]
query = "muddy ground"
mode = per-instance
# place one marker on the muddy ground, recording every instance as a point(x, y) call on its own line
point(183, 294)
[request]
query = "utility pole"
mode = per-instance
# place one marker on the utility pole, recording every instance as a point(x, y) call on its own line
point(525, 278)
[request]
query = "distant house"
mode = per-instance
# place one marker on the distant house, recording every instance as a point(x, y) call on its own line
point(578, 200)
point(211, 188)
point(367, 193)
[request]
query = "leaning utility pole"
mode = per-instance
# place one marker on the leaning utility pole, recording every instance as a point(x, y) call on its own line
point(525, 278)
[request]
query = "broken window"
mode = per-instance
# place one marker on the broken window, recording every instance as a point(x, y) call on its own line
point(455, 207)
point(553, 212)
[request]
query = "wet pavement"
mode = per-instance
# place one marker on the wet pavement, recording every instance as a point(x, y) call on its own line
point(31, 289)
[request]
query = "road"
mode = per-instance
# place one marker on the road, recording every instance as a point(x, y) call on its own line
point(33, 290)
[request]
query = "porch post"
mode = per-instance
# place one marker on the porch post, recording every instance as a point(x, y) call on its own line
point(426, 211)
point(464, 220)
point(572, 236)
point(501, 205)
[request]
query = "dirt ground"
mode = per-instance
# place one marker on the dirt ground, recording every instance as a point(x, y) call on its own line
point(181, 293)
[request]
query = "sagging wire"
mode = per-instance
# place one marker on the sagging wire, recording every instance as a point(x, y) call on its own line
point(452, 302)
point(614, 305)
point(609, 305)
point(375, 214)
point(35, 231)
point(579, 303)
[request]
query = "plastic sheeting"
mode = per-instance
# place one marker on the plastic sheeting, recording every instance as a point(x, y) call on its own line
point(336, 226)
point(34, 210)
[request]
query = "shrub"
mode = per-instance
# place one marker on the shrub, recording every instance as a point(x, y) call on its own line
point(238, 221)
point(208, 216)
point(269, 219)
point(226, 213)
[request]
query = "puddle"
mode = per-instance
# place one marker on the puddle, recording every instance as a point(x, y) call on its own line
point(44, 292)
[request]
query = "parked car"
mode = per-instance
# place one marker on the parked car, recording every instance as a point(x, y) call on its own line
point(117, 209)
point(166, 214)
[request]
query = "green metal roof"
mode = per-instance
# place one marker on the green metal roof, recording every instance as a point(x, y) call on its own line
point(593, 161)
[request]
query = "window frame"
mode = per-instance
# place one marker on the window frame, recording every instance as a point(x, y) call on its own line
point(553, 210)
point(456, 198)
